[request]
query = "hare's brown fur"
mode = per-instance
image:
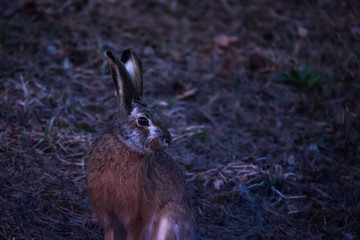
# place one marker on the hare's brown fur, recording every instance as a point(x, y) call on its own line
point(138, 194)
point(130, 190)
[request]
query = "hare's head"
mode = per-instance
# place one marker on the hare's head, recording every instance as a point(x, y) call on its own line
point(137, 126)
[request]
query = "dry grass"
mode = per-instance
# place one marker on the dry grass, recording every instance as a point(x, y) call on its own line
point(262, 99)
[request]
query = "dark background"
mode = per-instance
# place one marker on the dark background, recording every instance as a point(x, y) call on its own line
point(262, 99)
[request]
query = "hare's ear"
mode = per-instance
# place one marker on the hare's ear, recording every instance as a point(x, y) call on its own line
point(134, 67)
point(122, 82)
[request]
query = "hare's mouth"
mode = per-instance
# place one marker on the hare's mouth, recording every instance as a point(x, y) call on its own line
point(159, 144)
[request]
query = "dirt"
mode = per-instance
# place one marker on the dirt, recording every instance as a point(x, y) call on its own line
point(262, 99)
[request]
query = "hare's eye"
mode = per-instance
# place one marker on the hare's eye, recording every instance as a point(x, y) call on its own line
point(142, 121)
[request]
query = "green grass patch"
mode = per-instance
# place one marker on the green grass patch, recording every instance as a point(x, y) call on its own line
point(305, 80)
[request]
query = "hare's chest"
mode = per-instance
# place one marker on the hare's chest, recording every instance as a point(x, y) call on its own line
point(121, 191)
point(124, 181)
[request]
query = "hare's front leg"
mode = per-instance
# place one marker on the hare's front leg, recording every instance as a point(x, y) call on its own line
point(165, 230)
point(172, 224)
point(109, 233)
point(116, 233)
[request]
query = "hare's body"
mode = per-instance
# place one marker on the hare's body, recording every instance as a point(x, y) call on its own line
point(136, 189)
point(135, 192)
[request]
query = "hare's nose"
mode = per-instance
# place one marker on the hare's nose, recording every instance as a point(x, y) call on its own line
point(166, 139)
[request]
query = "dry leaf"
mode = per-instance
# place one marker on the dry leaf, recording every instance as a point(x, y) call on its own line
point(224, 41)
point(187, 94)
point(303, 32)
point(175, 55)
point(218, 183)
point(291, 160)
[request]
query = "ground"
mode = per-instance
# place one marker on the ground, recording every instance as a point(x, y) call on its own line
point(262, 99)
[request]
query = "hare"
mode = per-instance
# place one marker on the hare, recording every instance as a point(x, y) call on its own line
point(136, 189)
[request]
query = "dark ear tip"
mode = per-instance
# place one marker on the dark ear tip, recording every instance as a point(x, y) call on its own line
point(126, 55)
point(110, 55)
